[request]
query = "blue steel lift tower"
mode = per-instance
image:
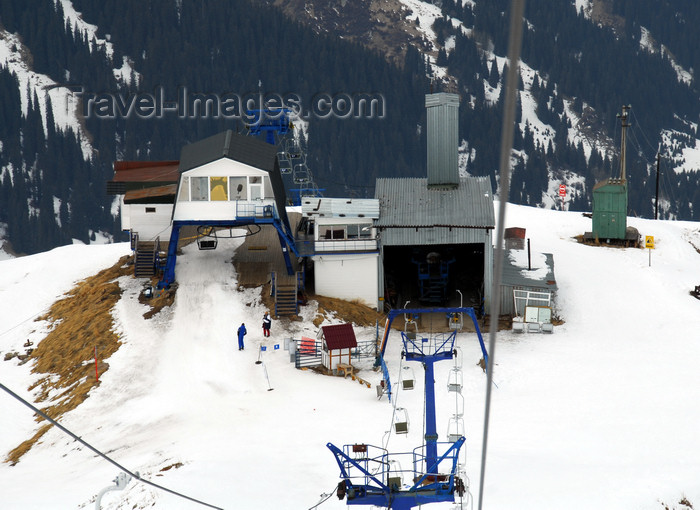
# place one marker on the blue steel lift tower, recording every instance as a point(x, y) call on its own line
point(369, 473)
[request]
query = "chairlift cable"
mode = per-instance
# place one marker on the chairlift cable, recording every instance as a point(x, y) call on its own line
point(514, 45)
point(98, 452)
point(639, 125)
point(325, 497)
point(45, 310)
point(393, 412)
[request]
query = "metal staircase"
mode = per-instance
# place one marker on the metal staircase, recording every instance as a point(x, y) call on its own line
point(285, 293)
point(145, 258)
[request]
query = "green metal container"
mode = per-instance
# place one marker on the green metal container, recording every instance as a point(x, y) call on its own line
point(610, 209)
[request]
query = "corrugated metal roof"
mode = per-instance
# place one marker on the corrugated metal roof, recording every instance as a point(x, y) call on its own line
point(155, 195)
point(516, 276)
point(407, 202)
point(340, 207)
point(145, 171)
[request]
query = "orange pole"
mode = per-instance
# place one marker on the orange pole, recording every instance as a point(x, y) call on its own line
point(97, 377)
point(386, 334)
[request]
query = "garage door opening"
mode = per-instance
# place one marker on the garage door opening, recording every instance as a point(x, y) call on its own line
point(430, 276)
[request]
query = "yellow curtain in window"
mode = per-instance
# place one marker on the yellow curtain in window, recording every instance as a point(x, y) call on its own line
point(218, 188)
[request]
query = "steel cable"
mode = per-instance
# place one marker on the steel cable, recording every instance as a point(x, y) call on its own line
point(514, 45)
point(95, 450)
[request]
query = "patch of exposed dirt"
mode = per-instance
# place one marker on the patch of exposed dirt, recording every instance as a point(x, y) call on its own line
point(683, 504)
point(82, 325)
point(159, 298)
point(352, 312)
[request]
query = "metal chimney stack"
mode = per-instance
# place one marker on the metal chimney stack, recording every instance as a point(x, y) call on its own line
point(443, 141)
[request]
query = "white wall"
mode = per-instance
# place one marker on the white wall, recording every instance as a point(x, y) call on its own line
point(347, 277)
point(149, 225)
point(220, 210)
point(332, 358)
point(224, 167)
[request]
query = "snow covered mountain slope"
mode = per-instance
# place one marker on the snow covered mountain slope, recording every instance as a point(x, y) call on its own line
point(600, 414)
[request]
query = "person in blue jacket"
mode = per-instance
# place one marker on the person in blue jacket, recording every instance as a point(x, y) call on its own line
point(241, 333)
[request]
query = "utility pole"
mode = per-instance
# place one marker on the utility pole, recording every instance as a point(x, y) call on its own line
point(656, 202)
point(623, 149)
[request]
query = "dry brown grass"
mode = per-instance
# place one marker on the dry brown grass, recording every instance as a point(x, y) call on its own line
point(352, 312)
point(349, 311)
point(82, 322)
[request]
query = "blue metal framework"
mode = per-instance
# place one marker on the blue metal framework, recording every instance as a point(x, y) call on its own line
point(267, 123)
point(273, 125)
point(432, 280)
point(258, 215)
point(371, 476)
point(413, 312)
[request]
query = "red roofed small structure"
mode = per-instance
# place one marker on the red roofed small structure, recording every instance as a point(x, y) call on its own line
point(338, 342)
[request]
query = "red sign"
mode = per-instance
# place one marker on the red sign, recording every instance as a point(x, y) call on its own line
point(562, 190)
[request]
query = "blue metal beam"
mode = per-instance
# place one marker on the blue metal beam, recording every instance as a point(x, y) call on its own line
point(400, 311)
point(286, 241)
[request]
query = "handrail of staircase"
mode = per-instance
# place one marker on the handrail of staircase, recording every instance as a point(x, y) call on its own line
point(156, 255)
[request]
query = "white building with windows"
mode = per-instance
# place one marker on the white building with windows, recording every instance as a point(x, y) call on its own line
point(345, 250)
point(228, 177)
point(146, 191)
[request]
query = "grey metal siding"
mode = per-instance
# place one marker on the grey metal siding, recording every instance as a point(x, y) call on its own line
point(415, 236)
point(513, 278)
point(442, 111)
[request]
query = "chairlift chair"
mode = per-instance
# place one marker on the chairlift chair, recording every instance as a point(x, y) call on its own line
point(401, 421)
point(410, 334)
point(455, 428)
point(293, 148)
point(394, 478)
point(208, 241)
point(454, 380)
point(408, 379)
point(301, 174)
point(285, 164)
point(455, 321)
point(410, 320)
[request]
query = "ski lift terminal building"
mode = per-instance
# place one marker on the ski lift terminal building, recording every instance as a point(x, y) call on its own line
point(424, 240)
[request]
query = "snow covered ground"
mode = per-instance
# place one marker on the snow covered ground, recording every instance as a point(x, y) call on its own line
point(601, 414)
